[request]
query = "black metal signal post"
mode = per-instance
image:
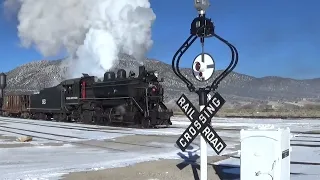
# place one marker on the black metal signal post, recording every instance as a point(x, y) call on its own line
point(202, 28)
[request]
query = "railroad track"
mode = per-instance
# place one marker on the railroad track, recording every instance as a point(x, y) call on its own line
point(65, 124)
point(59, 140)
point(104, 129)
point(83, 141)
point(83, 128)
point(87, 124)
point(57, 137)
point(115, 130)
point(83, 125)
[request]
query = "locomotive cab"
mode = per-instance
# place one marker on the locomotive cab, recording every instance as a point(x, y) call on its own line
point(76, 89)
point(149, 76)
point(71, 90)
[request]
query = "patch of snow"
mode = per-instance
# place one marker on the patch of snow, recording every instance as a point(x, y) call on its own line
point(50, 162)
point(41, 162)
point(167, 145)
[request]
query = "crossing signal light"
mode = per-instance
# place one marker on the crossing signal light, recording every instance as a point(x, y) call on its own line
point(198, 66)
point(203, 67)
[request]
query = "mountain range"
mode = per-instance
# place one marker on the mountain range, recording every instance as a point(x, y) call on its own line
point(238, 89)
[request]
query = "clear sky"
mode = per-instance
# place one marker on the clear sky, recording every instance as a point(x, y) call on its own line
point(274, 38)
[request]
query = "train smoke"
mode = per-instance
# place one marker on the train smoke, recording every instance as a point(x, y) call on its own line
point(93, 32)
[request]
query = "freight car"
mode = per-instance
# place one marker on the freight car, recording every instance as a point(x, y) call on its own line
point(117, 99)
point(16, 106)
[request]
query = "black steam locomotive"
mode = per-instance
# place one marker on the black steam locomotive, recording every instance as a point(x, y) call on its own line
point(117, 99)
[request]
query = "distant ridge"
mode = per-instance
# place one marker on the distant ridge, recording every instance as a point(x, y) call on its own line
point(237, 88)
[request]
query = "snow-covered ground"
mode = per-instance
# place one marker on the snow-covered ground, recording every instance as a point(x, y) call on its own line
point(59, 148)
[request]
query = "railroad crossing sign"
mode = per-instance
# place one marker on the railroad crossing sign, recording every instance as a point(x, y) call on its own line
point(203, 68)
point(200, 123)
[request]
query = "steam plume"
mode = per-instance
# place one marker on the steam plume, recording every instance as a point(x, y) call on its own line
point(93, 32)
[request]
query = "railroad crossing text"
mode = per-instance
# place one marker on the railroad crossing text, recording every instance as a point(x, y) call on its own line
point(200, 123)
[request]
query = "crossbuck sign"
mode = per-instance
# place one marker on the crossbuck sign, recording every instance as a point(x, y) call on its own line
point(200, 123)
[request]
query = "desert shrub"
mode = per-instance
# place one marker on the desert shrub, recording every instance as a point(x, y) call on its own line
point(247, 107)
point(311, 106)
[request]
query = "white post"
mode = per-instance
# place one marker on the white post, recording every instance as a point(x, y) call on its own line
point(203, 156)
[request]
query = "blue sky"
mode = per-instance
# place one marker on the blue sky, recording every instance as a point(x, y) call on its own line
point(274, 38)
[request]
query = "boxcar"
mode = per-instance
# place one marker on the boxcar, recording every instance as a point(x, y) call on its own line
point(16, 105)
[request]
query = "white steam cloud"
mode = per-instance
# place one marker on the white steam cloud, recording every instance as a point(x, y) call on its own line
point(93, 32)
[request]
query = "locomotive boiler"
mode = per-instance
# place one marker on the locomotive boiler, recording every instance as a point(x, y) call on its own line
point(126, 99)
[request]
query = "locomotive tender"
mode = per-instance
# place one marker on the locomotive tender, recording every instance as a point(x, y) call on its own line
point(121, 99)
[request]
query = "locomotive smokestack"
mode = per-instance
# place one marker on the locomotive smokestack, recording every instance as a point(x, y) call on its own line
point(3, 84)
point(142, 69)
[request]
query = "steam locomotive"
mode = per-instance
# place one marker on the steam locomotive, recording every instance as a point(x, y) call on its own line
point(117, 99)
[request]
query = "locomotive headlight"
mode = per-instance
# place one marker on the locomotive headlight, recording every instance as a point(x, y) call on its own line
point(154, 89)
point(156, 74)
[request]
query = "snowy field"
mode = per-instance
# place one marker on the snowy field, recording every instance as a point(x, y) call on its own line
point(60, 148)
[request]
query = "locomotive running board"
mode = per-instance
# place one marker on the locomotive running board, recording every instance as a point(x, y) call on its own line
point(115, 98)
